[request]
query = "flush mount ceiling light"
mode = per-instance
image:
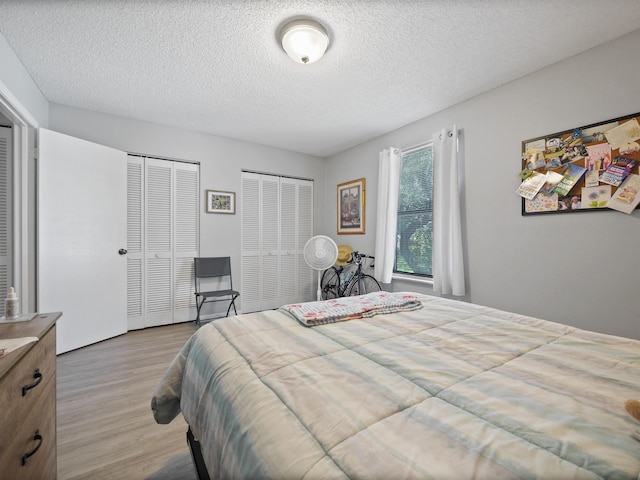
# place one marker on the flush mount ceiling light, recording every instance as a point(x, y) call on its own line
point(305, 41)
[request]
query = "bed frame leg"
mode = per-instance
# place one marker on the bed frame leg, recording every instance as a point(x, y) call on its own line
point(196, 456)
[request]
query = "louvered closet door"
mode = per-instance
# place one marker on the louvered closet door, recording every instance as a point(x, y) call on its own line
point(186, 239)
point(277, 220)
point(306, 290)
point(135, 243)
point(270, 242)
point(260, 242)
point(162, 236)
point(296, 227)
point(5, 205)
point(288, 241)
point(250, 233)
point(159, 273)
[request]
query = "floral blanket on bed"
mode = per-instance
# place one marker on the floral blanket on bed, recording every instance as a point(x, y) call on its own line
point(349, 308)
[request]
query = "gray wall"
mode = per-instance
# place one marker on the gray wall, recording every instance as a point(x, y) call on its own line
point(579, 269)
point(221, 162)
point(22, 87)
point(555, 266)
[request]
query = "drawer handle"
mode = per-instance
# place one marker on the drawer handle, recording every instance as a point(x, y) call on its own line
point(38, 376)
point(36, 438)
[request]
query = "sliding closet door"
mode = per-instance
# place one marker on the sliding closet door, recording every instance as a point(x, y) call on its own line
point(277, 220)
point(163, 235)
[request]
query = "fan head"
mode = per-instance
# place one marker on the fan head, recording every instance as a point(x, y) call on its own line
point(320, 252)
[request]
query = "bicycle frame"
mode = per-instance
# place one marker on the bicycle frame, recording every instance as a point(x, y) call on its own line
point(345, 285)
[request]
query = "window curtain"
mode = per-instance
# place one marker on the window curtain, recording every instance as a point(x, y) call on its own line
point(448, 262)
point(387, 216)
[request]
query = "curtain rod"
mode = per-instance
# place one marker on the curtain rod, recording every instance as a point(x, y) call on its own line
point(450, 134)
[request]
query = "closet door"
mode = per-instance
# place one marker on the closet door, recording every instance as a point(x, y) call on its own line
point(270, 243)
point(186, 222)
point(277, 220)
point(135, 243)
point(159, 190)
point(162, 235)
point(288, 278)
point(250, 243)
point(296, 227)
point(305, 274)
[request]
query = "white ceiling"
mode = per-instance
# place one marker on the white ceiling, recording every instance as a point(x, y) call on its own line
point(216, 66)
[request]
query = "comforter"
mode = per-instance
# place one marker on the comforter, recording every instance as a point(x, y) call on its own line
point(452, 390)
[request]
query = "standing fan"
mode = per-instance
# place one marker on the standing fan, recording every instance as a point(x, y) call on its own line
point(320, 252)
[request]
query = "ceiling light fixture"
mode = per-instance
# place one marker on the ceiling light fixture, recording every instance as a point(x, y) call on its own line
point(305, 41)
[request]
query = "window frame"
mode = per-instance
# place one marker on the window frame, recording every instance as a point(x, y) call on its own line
point(21, 185)
point(411, 276)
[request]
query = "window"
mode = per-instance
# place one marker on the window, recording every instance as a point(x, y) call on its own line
point(415, 212)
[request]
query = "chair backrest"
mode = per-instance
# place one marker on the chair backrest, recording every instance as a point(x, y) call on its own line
point(206, 267)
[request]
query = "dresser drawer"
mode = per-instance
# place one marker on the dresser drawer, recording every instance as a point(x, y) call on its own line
point(41, 464)
point(15, 405)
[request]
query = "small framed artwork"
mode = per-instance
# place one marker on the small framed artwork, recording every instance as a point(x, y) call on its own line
point(351, 205)
point(217, 201)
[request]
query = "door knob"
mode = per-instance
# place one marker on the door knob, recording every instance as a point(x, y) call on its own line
point(122, 251)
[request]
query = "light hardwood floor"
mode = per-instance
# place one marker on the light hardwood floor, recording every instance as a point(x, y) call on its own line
point(106, 428)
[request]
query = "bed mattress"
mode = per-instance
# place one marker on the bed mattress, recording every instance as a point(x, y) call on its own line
point(451, 390)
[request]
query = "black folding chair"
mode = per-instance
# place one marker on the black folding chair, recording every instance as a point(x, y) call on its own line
point(213, 282)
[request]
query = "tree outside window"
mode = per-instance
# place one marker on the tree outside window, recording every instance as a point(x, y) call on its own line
point(414, 241)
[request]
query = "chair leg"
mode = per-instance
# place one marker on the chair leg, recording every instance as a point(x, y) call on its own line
point(198, 307)
point(232, 304)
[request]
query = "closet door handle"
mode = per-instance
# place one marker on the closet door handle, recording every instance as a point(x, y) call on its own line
point(122, 251)
point(36, 438)
point(38, 376)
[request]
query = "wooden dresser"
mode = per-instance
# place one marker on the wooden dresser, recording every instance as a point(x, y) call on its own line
point(28, 401)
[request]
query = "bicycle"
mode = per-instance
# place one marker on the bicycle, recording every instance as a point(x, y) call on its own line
point(334, 284)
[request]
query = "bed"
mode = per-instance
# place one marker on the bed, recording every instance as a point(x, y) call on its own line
point(445, 390)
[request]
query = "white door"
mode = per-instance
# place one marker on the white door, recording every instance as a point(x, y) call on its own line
point(186, 239)
point(135, 243)
point(270, 242)
point(162, 239)
point(250, 242)
point(306, 289)
point(277, 220)
point(159, 192)
point(82, 214)
point(296, 227)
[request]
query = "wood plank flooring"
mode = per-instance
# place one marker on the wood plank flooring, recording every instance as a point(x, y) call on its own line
point(106, 428)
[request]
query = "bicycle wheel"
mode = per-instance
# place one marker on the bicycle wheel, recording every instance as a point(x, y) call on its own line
point(330, 283)
point(366, 284)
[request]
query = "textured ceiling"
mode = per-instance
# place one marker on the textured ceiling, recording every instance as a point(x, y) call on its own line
point(216, 66)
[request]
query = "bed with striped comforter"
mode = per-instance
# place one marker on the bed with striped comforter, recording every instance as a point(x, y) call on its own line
point(449, 391)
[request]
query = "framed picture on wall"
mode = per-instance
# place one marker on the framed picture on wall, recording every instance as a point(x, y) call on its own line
point(217, 201)
point(351, 207)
